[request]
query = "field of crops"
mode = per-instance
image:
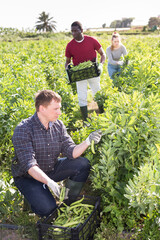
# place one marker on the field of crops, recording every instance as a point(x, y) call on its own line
point(126, 167)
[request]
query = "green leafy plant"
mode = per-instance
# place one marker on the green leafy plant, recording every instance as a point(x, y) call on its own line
point(10, 199)
point(143, 191)
point(131, 124)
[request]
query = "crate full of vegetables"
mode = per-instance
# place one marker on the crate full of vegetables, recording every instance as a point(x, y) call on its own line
point(82, 71)
point(75, 222)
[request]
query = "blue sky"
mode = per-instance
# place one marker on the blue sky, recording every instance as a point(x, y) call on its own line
point(23, 14)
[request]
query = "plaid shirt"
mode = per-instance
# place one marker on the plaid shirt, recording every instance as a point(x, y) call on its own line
point(34, 145)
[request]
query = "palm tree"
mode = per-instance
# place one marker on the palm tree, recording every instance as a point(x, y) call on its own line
point(45, 23)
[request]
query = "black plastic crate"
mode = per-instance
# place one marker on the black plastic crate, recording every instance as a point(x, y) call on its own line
point(83, 231)
point(82, 74)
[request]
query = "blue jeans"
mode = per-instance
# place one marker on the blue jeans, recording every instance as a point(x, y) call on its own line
point(113, 69)
point(38, 194)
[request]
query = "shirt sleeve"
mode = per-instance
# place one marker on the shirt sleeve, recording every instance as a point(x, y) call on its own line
point(97, 44)
point(110, 58)
point(25, 155)
point(123, 53)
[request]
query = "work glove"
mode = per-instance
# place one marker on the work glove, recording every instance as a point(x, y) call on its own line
point(95, 136)
point(100, 68)
point(66, 193)
point(54, 187)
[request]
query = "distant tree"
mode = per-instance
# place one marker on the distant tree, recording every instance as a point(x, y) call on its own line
point(125, 22)
point(116, 24)
point(154, 22)
point(103, 25)
point(45, 23)
point(113, 24)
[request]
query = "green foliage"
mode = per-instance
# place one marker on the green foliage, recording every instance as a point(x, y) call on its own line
point(142, 73)
point(131, 127)
point(143, 191)
point(106, 231)
point(27, 67)
point(10, 199)
point(103, 94)
point(149, 229)
point(124, 158)
point(11, 204)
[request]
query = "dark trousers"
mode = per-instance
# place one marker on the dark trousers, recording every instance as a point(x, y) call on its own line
point(38, 194)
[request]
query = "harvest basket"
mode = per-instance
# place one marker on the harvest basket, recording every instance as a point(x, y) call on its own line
point(81, 74)
point(83, 231)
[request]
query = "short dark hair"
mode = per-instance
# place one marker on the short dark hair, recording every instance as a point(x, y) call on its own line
point(44, 97)
point(77, 24)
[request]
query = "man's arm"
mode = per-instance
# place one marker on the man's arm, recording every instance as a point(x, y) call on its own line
point(103, 55)
point(68, 60)
point(38, 174)
point(79, 149)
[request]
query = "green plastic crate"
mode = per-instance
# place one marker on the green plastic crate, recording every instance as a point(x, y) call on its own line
point(82, 74)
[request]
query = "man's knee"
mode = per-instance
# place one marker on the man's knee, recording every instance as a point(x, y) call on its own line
point(83, 169)
point(44, 210)
point(85, 163)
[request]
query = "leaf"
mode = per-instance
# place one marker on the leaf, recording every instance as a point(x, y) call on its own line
point(107, 209)
point(111, 170)
point(132, 121)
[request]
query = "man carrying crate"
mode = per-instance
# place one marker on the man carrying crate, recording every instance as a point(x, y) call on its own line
point(80, 49)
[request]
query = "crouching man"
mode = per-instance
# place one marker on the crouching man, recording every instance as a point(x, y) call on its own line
point(38, 142)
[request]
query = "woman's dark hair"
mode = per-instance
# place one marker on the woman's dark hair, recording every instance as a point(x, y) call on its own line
point(77, 24)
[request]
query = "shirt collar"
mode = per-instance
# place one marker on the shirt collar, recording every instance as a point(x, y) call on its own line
point(80, 40)
point(50, 124)
point(39, 122)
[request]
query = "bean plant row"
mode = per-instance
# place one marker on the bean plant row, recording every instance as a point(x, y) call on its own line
point(125, 164)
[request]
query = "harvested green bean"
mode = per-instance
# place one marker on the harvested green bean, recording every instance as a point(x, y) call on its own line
point(71, 216)
point(92, 147)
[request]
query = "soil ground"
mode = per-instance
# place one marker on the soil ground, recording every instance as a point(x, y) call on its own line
point(9, 234)
point(92, 106)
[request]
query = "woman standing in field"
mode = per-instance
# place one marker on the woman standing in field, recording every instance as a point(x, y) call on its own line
point(114, 53)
